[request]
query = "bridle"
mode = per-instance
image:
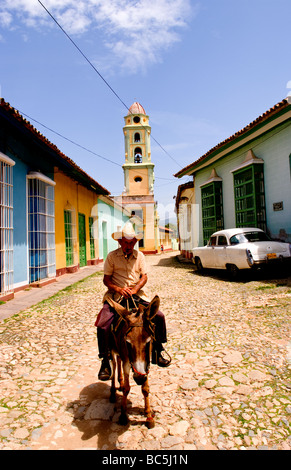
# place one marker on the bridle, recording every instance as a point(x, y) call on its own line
point(150, 330)
point(138, 325)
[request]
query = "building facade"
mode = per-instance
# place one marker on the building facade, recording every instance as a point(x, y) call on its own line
point(185, 210)
point(111, 217)
point(49, 209)
point(245, 180)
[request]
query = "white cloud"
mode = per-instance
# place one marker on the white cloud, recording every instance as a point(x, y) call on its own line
point(135, 32)
point(5, 19)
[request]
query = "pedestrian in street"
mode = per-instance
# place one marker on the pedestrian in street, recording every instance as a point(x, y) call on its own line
point(125, 275)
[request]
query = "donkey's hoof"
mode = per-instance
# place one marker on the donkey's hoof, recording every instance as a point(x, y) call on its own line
point(123, 420)
point(150, 423)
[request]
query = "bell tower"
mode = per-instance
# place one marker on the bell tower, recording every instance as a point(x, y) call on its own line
point(138, 169)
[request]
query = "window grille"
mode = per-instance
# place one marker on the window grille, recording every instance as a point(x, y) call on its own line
point(249, 194)
point(69, 218)
point(6, 224)
point(92, 238)
point(41, 227)
point(212, 209)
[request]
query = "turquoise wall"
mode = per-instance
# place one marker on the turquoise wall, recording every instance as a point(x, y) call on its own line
point(110, 219)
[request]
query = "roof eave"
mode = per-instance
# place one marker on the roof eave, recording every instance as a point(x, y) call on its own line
point(65, 164)
point(279, 109)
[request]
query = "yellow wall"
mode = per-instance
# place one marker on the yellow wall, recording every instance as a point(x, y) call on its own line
point(150, 235)
point(68, 193)
point(142, 187)
point(165, 239)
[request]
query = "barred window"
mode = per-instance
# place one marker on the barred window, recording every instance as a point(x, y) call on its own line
point(92, 237)
point(6, 224)
point(69, 236)
point(41, 227)
point(249, 194)
point(212, 209)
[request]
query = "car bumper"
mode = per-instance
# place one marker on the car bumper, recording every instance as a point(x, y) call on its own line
point(273, 261)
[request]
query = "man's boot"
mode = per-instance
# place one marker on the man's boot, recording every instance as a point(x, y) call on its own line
point(157, 357)
point(105, 372)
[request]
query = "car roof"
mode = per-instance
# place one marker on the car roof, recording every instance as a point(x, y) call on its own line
point(233, 231)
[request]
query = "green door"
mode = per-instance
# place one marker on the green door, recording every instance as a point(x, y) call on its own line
point(69, 238)
point(82, 241)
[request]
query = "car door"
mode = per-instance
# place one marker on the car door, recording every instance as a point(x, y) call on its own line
point(220, 252)
point(208, 259)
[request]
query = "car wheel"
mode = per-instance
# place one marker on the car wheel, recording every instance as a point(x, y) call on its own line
point(198, 264)
point(233, 271)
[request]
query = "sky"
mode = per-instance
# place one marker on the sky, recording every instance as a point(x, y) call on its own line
point(202, 70)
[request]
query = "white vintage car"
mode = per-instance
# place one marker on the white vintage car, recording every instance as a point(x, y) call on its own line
point(240, 248)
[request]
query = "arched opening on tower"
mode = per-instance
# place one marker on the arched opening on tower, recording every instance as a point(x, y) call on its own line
point(137, 137)
point(137, 155)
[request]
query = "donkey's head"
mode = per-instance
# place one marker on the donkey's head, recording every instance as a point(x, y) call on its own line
point(138, 335)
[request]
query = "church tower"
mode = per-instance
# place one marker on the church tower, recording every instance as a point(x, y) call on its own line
point(138, 193)
point(138, 168)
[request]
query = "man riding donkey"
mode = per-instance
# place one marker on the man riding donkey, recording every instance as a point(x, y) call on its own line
point(125, 276)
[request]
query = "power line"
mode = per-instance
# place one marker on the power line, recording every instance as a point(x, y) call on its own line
point(71, 141)
point(82, 53)
point(100, 75)
point(82, 146)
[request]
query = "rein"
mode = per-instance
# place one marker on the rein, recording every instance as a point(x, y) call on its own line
point(137, 325)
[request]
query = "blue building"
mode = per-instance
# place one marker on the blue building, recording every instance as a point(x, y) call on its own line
point(28, 166)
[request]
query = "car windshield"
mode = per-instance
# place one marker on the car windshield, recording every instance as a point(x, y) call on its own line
point(249, 237)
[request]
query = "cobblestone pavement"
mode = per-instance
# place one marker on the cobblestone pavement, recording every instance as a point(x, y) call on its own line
point(227, 386)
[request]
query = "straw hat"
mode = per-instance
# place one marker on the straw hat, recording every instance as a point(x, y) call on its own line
point(127, 232)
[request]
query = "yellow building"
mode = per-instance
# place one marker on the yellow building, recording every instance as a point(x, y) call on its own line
point(76, 221)
point(138, 193)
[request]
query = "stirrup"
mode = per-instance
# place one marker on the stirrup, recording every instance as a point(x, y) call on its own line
point(158, 359)
point(161, 362)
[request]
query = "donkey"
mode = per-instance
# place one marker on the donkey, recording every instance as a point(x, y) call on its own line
point(131, 348)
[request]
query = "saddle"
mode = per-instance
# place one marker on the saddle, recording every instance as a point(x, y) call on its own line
point(131, 305)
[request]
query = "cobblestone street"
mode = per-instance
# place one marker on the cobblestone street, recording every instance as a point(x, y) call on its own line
point(227, 387)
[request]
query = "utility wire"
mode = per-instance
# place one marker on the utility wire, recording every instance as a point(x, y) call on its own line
point(69, 140)
point(82, 53)
point(99, 74)
point(82, 147)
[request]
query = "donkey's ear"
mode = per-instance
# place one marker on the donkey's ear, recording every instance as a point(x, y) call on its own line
point(153, 307)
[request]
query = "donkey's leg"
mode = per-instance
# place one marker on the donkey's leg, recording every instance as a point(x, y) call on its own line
point(123, 419)
point(113, 386)
point(120, 374)
point(150, 422)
